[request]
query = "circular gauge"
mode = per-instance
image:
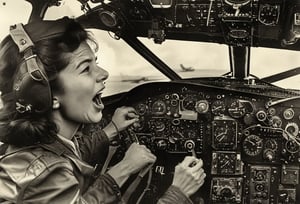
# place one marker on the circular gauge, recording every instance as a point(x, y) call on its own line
point(141, 108)
point(159, 108)
point(275, 121)
point(237, 109)
point(261, 115)
point(271, 144)
point(202, 106)
point(218, 107)
point(291, 146)
point(292, 128)
point(268, 14)
point(252, 145)
point(288, 113)
point(189, 102)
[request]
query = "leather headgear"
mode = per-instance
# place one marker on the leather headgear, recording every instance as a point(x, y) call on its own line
point(31, 86)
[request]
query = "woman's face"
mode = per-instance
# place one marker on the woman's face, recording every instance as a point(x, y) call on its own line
point(81, 87)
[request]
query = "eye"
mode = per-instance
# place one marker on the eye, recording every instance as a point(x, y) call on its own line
point(86, 69)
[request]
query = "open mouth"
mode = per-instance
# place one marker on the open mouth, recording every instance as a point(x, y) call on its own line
point(97, 100)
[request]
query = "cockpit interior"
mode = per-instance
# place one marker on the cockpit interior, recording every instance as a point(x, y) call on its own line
point(245, 128)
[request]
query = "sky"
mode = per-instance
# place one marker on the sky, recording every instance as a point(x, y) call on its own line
point(119, 59)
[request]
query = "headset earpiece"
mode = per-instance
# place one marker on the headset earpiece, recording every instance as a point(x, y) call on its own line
point(31, 85)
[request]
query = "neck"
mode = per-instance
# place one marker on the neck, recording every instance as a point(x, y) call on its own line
point(66, 128)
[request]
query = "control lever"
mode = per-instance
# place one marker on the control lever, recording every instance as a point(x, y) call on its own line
point(190, 147)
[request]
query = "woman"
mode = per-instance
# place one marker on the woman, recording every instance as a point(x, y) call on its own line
point(49, 88)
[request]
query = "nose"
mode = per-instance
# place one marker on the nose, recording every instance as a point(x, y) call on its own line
point(102, 75)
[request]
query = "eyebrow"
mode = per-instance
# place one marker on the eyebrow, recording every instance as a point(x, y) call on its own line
point(83, 61)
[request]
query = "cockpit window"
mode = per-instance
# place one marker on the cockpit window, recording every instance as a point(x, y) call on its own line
point(11, 14)
point(266, 62)
point(126, 68)
point(191, 59)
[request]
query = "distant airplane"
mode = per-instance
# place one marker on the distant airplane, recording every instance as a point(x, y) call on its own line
point(134, 79)
point(186, 69)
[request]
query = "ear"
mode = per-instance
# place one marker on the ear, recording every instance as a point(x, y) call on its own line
point(55, 103)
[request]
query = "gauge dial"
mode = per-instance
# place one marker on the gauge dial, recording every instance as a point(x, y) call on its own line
point(288, 113)
point(159, 108)
point(292, 128)
point(271, 144)
point(225, 162)
point(275, 121)
point(252, 145)
point(141, 108)
point(202, 106)
point(237, 109)
point(218, 107)
point(269, 14)
point(291, 146)
point(189, 102)
point(224, 134)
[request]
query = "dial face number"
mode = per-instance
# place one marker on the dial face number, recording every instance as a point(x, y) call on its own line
point(224, 134)
point(159, 108)
point(218, 107)
point(252, 145)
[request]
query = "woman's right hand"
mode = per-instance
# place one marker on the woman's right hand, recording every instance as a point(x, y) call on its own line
point(137, 157)
point(189, 175)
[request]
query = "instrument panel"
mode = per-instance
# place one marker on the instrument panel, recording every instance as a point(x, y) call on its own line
point(250, 143)
point(263, 23)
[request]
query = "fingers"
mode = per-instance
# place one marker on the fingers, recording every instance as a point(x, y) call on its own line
point(144, 153)
point(196, 171)
point(129, 112)
point(190, 161)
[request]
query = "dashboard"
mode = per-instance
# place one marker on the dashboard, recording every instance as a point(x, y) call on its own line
point(249, 140)
point(264, 23)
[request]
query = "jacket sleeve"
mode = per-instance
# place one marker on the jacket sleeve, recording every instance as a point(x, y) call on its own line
point(104, 190)
point(59, 185)
point(93, 147)
point(174, 195)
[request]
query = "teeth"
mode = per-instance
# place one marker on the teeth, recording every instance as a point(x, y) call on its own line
point(97, 99)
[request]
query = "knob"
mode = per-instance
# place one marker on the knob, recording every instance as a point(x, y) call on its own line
point(189, 145)
point(269, 155)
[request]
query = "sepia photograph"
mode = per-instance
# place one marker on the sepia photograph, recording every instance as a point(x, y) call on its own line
point(150, 101)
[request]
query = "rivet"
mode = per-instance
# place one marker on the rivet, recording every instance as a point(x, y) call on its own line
point(23, 42)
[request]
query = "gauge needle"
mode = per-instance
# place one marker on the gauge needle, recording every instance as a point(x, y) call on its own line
point(221, 136)
point(216, 108)
point(225, 164)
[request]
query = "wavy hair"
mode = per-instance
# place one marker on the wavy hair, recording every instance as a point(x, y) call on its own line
point(32, 128)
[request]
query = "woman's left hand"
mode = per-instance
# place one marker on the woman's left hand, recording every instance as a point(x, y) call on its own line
point(122, 118)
